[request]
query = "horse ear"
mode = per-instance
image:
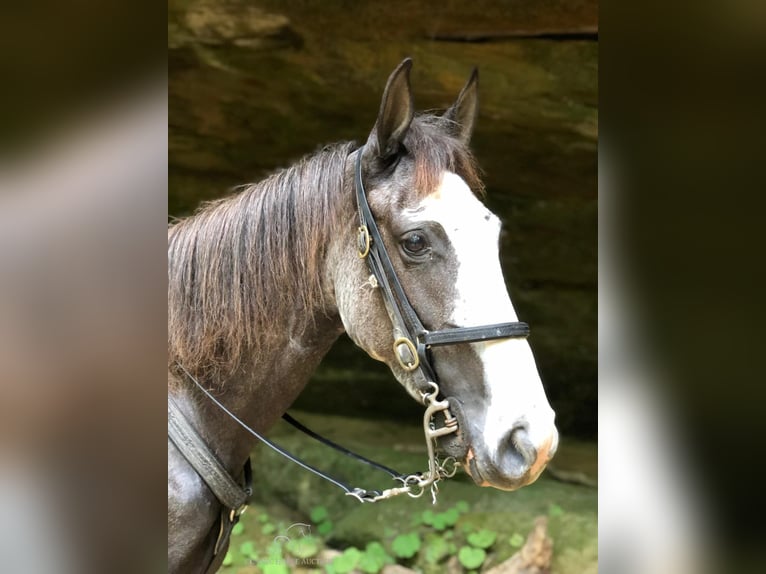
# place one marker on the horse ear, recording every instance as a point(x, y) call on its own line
point(462, 114)
point(396, 112)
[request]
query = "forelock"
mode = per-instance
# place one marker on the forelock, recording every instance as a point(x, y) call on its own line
point(435, 151)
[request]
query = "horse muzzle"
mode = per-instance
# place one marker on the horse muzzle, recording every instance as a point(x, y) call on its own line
point(517, 461)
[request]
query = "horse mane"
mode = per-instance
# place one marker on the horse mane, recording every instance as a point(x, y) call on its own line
point(241, 263)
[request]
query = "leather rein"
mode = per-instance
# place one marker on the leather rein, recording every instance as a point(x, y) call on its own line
point(412, 344)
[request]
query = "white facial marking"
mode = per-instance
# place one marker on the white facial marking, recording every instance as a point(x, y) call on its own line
point(516, 394)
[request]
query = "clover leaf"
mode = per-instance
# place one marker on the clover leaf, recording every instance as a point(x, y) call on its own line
point(406, 545)
point(374, 558)
point(471, 558)
point(482, 539)
point(247, 549)
point(318, 514)
point(436, 549)
point(347, 561)
point(462, 506)
point(451, 516)
point(555, 510)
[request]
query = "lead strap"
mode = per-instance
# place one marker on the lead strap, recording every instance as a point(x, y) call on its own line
point(414, 484)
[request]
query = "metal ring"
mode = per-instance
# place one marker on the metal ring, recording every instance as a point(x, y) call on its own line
point(363, 249)
point(236, 512)
point(430, 397)
point(448, 463)
point(416, 493)
point(411, 346)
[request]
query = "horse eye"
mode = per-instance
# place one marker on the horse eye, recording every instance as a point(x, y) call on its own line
point(415, 243)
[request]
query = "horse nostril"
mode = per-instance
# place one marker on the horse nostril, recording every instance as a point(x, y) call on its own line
point(516, 453)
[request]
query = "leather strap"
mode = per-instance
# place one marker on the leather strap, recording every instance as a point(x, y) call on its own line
point(350, 453)
point(362, 494)
point(474, 334)
point(194, 449)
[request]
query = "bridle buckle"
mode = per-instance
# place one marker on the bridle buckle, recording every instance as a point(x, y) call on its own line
point(363, 242)
point(406, 353)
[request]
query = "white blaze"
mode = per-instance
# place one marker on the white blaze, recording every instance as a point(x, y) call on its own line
point(516, 394)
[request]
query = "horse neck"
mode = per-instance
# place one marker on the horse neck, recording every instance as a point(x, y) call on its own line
point(262, 391)
point(260, 394)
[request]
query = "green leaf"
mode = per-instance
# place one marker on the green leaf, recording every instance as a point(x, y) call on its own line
point(268, 528)
point(318, 514)
point(247, 549)
point(263, 517)
point(370, 564)
point(471, 558)
point(406, 545)
point(378, 549)
point(482, 539)
point(451, 516)
point(436, 549)
point(428, 517)
point(462, 506)
point(555, 510)
point(272, 568)
point(374, 558)
point(303, 547)
point(324, 528)
point(347, 561)
point(517, 540)
point(238, 529)
point(440, 522)
point(228, 560)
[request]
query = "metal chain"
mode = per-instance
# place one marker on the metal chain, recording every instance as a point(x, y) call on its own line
point(414, 485)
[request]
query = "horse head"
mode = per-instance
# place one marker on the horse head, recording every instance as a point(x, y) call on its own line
point(422, 186)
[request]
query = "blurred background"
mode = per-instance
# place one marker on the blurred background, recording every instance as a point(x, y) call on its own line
point(83, 215)
point(254, 85)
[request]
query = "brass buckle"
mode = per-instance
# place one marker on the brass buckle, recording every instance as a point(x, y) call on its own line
point(237, 512)
point(363, 245)
point(411, 346)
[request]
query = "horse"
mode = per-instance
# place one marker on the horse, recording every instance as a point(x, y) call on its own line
point(263, 282)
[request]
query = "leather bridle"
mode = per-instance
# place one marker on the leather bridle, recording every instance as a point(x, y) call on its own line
point(412, 341)
point(412, 349)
